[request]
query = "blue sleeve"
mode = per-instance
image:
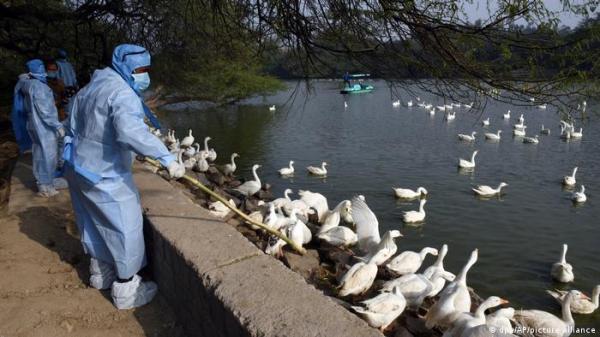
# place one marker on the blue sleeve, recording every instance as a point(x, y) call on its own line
point(43, 100)
point(128, 121)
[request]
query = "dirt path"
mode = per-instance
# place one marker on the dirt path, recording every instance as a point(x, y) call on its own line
point(44, 273)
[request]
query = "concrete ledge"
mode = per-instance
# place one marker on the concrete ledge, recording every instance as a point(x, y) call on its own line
point(219, 284)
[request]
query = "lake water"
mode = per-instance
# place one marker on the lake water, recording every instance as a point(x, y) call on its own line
point(371, 147)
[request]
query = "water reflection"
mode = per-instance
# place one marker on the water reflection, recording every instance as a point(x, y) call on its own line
point(372, 146)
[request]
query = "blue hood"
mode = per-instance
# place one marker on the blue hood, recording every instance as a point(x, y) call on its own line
point(126, 58)
point(36, 69)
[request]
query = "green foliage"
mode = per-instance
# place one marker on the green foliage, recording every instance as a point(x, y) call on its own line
point(224, 81)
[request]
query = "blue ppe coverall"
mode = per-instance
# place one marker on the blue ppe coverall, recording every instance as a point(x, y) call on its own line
point(42, 121)
point(107, 128)
point(67, 74)
point(18, 117)
point(65, 70)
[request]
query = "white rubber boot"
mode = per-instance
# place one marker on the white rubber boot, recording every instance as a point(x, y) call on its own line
point(134, 293)
point(60, 183)
point(47, 191)
point(102, 274)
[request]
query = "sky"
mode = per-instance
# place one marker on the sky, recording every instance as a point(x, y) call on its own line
point(479, 10)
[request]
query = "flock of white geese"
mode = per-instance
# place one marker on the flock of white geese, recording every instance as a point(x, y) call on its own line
point(452, 311)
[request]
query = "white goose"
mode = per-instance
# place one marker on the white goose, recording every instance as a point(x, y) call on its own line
point(181, 168)
point(298, 232)
point(507, 115)
point(385, 249)
point(468, 138)
point(339, 236)
point(318, 171)
point(332, 218)
point(274, 220)
point(301, 207)
point(230, 168)
point(409, 103)
point(316, 201)
point(500, 320)
point(493, 136)
point(464, 321)
point(579, 305)
point(212, 155)
point(272, 108)
point(219, 210)
point(462, 163)
point(250, 187)
point(579, 197)
point(438, 265)
point(409, 262)
point(293, 228)
point(547, 325)
point(396, 104)
point(432, 112)
point(458, 292)
point(358, 279)
point(280, 203)
point(201, 163)
point(441, 310)
point(544, 131)
point(451, 116)
point(415, 216)
point(367, 226)
point(570, 180)
point(287, 171)
point(383, 309)
point(189, 163)
point(468, 106)
point(191, 150)
point(485, 122)
point(519, 132)
point(417, 287)
point(405, 193)
point(577, 134)
point(562, 271)
point(188, 140)
point(487, 191)
point(175, 146)
point(206, 149)
point(531, 140)
point(441, 107)
point(521, 119)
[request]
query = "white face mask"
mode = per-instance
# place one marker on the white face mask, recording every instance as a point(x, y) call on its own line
point(142, 81)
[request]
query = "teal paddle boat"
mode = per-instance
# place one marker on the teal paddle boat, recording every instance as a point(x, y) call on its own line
point(355, 88)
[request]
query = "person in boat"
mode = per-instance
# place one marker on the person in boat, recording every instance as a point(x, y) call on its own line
point(347, 80)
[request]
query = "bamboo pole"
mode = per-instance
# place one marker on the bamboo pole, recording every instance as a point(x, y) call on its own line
point(222, 200)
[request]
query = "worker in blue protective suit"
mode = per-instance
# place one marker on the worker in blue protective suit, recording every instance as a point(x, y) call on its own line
point(65, 70)
point(19, 116)
point(107, 128)
point(66, 73)
point(34, 106)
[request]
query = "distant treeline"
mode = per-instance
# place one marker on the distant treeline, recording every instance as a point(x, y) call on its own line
point(224, 51)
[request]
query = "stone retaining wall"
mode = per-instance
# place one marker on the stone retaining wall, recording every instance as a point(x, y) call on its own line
point(219, 284)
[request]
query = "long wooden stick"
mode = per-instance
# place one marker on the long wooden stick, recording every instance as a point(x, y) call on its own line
point(222, 200)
